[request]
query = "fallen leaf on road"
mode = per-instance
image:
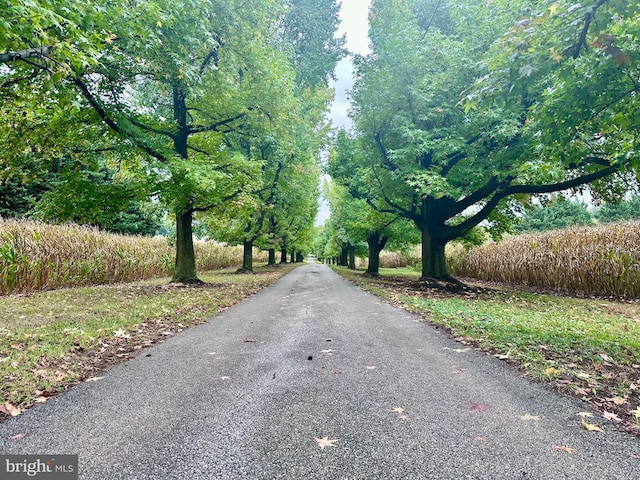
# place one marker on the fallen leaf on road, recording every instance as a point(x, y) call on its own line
point(212, 353)
point(457, 371)
point(480, 407)
point(585, 414)
point(10, 409)
point(528, 418)
point(480, 439)
point(249, 340)
point(371, 367)
point(325, 442)
point(503, 357)
point(327, 352)
point(562, 448)
point(581, 391)
point(41, 399)
point(225, 378)
point(398, 410)
point(611, 416)
point(18, 436)
point(590, 426)
point(404, 417)
point(617, 400)
point(336, 372)
point(457, 350)
point(93, 379)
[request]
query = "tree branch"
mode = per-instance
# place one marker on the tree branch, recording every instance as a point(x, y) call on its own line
point(582, 40)
point(36, 52)
point(383, 152)
point(215, 126)
point(102, 113)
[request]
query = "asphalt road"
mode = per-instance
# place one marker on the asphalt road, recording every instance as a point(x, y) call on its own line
point(247, 394)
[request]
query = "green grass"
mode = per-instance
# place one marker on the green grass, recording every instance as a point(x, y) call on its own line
point(51, 340)
point(590, 348)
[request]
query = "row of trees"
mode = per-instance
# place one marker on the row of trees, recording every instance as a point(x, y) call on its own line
point(212, 110)
point(464, 111)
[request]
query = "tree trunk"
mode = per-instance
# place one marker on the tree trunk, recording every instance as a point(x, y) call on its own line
point(376, 244)
point(343, 257)
point(272, 256)
point(434, 264)
point(293, 257)
point(247, 257)
point(283, 255)
point(185, 266)
point(299, 257)
point(352, 257)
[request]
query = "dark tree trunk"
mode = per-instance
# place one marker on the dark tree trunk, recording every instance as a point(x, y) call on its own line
point(376, 244)
point(299, 257)
point(352, 257)
point(434, 263)
point(343, 257)
point(247, 256)
point(293, 257)
point(272, 256)
point(283, 255)
point(185, 266)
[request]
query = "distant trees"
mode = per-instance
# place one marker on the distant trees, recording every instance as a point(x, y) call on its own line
point(561, 213)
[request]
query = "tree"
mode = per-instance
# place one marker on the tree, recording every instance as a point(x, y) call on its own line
point(558, 213)
point(279, 208)
point(351, 212)
point(175, 77)
point(467, 122)
point(614, 212)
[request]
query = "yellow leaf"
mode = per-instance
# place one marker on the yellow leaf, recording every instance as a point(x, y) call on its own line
point(159, 23)
point(553, 9)
point(397, 410)
point(590, 426)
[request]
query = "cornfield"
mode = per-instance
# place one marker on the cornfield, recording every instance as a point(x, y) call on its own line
point(36, 256)
point(601, 260)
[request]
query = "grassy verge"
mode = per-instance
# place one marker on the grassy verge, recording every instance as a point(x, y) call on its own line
point(52, 340)
point(587, 348)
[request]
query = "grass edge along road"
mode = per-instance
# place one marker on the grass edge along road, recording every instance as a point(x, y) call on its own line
point(50, 341)
point(589, 348)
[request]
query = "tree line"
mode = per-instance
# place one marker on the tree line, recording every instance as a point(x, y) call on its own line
point(214, 111)
point(467, 111)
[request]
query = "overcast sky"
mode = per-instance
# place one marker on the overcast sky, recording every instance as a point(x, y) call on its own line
point(354, 23)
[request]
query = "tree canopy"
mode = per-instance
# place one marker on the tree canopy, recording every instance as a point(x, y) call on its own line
point(459, 124)
point(179, 94)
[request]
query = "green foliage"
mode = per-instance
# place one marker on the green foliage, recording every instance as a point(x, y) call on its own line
point(614, 212)
point(560, 213)
point(535, 98)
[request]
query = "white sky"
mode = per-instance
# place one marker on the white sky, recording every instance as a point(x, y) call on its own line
point(354, 22)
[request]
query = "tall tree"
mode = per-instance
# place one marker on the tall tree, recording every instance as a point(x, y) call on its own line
point(174, 78)
point(465, 120)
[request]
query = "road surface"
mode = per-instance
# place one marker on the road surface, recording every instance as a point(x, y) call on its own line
point(312, 378)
